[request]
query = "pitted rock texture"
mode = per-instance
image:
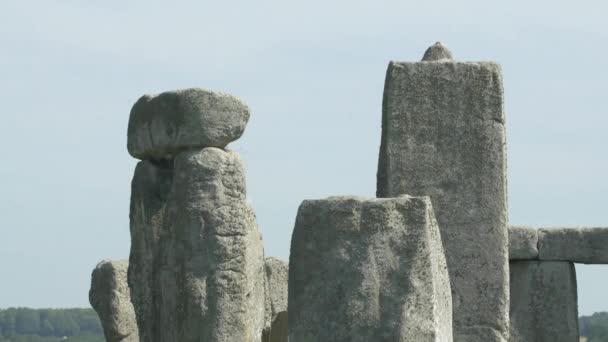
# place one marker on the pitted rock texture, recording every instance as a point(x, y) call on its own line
point(581, 245)
point(365, 270)
point(523, 243)
point(210, 270)
point(149, 190)
point(160, 126)
point(543, 302)
point(275, 329)
point(443, 136)
point(111, 299)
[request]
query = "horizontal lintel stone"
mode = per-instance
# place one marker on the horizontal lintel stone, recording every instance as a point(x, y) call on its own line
point(523, 243)
point(580, 245)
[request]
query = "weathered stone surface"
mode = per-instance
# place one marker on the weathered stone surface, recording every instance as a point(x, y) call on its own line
point(275, 329)
point(437, 52)
point(162, 125)
point(368, 270)
point(149, 190)
point(523, 243)
point(111, 299)
point(543, 302)
point(443, 136)
point(210, 273)
point(582, 245)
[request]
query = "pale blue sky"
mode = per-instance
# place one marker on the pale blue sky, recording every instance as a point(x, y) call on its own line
point(312, 73)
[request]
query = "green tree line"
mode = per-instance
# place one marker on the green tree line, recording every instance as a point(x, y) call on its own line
point(594, 327)
point(46, 325)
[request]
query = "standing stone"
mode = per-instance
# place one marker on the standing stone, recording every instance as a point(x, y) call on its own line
point(543, 302)
point(161, 126)
point(523, 243)
point(149, 190)
point(582, 245)
point(210, 273)
point(111, 299)
point(275, 329)
point(443, 136)
point(365, 270)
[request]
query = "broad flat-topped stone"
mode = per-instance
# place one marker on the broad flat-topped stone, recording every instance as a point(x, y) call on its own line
point(443, 136)
point(165, 124)
point(582, 245)
point(110, 297)
point(543, 302)
point(523, 243)
point(275, 329)
point(365, 270)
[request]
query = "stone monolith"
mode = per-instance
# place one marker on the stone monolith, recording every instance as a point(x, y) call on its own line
point(210, 270)
point(149, 190)
point(162, 125)
point(543, 302)
point(365, 270)
point(443, 136)
point(581, 245)
point(523, 243)
point(111, 299)
point(275, 328)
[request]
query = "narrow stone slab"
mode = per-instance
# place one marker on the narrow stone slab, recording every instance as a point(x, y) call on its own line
point(582, 245)
point(161, 126)
point(111, 299)
point(210, 273)
point(443, 136)
point(365, 270)
point(523, 243)
point(543, 302)
point(149, 191)
point(275, 329)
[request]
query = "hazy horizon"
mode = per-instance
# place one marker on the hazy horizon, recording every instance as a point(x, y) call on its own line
point(312, 74)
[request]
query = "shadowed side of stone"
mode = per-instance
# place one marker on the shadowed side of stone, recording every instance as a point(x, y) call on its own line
point(160, 126)
point(210, 273)
point(543, 302)
point(111, 299)
point(275, 329)
point(149, 190)
point(365, 270)
point(443, 136)
point(523, 243)
point(581, 245)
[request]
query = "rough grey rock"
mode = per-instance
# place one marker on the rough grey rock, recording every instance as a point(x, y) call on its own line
point(368, 270)
point(582, 245)
point(161, 126)
point(111, 299)
point(523, 243)
point(210, 273)
point(437, 52)
point(443, 136)
point(543, 302)
point(149, 190)
point(275, 329)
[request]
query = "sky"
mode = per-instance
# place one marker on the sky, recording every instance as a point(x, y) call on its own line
point(312, 73)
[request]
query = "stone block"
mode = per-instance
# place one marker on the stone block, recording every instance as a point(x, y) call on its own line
point(581, 245)
point(443, 136)
point(162, 125)
point(543, 302)
point(210, 269)
point(275, 329)
point(111, 299)
point(523, 243)
point(365, 270)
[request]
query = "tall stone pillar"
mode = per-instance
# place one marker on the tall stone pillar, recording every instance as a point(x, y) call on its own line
point(543, 302)
point(443, 136)
point(196, 268)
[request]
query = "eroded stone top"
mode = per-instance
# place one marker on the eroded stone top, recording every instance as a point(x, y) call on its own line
point(436, 53)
